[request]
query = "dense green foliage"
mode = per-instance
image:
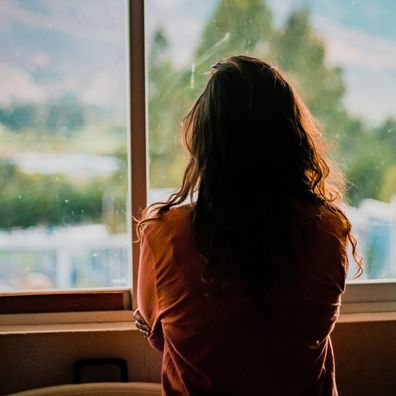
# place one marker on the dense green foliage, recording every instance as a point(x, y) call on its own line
point(29, 200)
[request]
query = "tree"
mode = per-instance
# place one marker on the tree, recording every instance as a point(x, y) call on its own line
point(165, 113)
point(388, 188)
point(235, 26)
point(365, 170)
point(299, 51)
point(29, 200)
point(18, 116)
point(246, 27)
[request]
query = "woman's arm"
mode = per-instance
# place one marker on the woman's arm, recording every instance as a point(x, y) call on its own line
point(324, 265)
point(147, 318)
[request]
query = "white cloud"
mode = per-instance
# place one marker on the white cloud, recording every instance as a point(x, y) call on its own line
point(18, 86)
point(41, 60)
point(12, 12)
point(371, 94)
point(103, 89)
point(356, 48)
point(182, 28)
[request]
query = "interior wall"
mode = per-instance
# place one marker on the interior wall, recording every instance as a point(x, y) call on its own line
point(365, 357)
point(34, 360)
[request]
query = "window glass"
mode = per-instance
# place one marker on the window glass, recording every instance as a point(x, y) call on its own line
point(341, 56)
point(63, 145)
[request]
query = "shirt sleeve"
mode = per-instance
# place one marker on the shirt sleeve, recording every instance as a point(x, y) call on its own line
point(147, 296)
point(322, 284)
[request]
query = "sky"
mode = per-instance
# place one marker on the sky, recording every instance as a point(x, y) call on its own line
point(48, 47)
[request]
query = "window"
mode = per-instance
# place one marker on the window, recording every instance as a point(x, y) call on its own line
point(346, 48)
point(64, 160)
point(338, 54)
point(104, 36)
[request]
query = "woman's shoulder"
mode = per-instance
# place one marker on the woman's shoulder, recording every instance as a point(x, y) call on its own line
point(322, 233)
point(174, 221)
point(323, 218)
point(177, 215)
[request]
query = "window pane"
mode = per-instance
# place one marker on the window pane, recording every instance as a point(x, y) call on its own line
point(63, 151)
point(340, 55)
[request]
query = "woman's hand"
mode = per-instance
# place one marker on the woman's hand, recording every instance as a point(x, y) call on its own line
point(141, 324)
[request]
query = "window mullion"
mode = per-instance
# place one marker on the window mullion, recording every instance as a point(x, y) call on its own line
point(138, 155)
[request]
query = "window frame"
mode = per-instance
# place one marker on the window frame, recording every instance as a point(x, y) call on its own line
point(366, 296)
point(369, 296)
point(106, 299)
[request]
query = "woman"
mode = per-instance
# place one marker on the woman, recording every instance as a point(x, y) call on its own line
point(241, 288)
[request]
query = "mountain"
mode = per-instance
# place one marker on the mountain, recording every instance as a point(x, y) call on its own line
point(51, 47)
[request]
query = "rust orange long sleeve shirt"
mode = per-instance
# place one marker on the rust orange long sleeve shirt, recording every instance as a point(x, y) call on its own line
point(221, 344)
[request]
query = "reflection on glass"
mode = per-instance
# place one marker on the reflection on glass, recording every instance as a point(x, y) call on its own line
point(63, 150)
point(342, 59)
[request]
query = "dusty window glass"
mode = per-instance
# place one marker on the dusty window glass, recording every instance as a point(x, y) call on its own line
point(63, 145)
point(341, 56)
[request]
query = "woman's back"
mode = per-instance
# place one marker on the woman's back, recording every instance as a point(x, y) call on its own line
point(221, 342)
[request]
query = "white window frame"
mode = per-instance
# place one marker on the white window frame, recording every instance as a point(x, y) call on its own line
point(369, 296)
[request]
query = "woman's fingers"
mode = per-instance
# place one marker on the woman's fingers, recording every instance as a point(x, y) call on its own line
point(137, 315)
point(144, 329)
point(141, 324)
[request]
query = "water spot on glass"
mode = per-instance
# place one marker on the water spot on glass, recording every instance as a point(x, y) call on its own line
point(20, 196)
point(389, 130)
point(192, 79)
point(67, 200)
point(95, 254)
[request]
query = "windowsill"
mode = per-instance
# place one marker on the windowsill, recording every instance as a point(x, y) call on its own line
point(66, 328)
point(367, 317)
point(121, 321)
point(67, 322)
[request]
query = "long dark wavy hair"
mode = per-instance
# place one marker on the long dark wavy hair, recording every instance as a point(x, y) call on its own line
point(255, 153)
